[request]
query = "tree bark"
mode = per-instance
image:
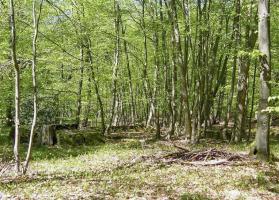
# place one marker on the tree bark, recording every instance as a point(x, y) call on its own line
point(80, 84)
point(253, 100)
point(244, 65)
point(34, 81)
point(236, 38)
point(114, 103)
point(131, 90)
point(95, 83)
point(263, 123)
point(183, 69)
point(17, 85)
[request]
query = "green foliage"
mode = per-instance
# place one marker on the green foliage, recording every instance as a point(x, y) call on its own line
point(86, 137)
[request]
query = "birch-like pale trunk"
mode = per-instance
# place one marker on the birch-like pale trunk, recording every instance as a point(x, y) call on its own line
point(114, 103)
point(34, 81)
point(17, 86)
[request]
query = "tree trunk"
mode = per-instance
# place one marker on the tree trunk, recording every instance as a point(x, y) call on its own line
point(236, 37)
point(263, 124)
point(252, 103)
point(131, 91)
point(183, 69)
point(244, 64)
point(48, 135)
point(95, 83)
point(114, 102)
point(80, 84)
point(17, 85)
point(34, 81)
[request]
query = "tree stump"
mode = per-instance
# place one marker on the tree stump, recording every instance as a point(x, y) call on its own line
point(48, 135)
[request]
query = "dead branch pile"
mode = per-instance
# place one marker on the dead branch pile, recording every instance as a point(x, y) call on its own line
point(204, 155)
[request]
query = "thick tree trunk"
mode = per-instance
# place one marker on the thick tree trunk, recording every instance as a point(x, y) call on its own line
point(48, 135)
point(242, 87)
point(263, 124)
point(244, 64)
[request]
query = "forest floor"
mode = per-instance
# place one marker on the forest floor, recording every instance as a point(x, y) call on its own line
point(131, 165)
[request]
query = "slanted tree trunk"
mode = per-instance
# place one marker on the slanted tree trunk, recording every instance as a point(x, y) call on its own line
point(17, 85)
point(34, 81)
point(95, 83)
point(263, 124)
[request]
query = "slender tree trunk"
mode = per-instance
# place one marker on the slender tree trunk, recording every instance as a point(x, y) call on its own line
point(80, 85)
point(187, 45)
point(167, 89)
point(263, 124)
point(96, 86)
point(89, 100)
point(81, 67)
point(236, 38)
point(173, 75)
point(253, 100)
point(183, 69)
point(147, 91)
point(131, 91)
point(17, 85)
point(156, 75)
point(36, 21)
point(114, 102)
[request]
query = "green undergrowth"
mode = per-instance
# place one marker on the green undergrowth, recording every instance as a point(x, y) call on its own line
point(128, 169)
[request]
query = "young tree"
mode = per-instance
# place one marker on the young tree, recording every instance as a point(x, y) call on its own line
point(17, 85)
point(36, 20)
